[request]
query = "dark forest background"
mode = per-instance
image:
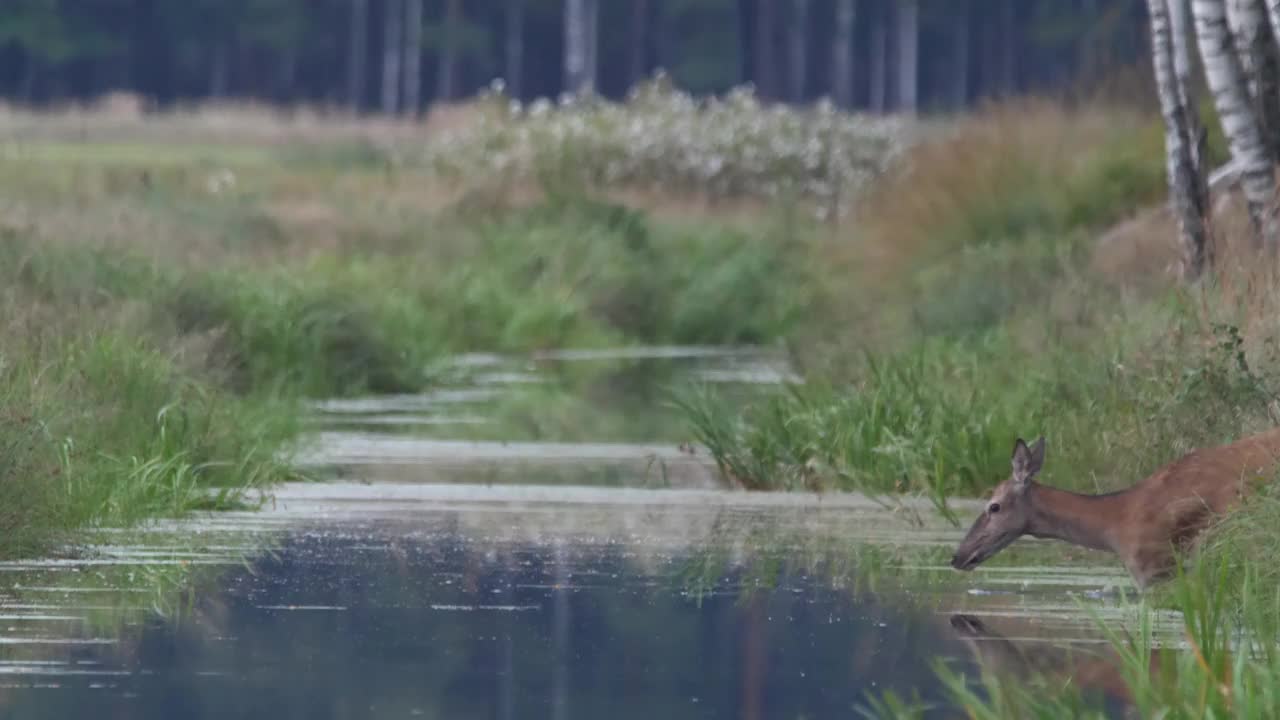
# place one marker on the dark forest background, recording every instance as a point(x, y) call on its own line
point(399, 56)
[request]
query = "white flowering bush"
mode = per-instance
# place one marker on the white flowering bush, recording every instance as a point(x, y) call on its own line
point(731, 146)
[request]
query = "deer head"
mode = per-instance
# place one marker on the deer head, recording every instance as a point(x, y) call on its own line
point(1008, 512)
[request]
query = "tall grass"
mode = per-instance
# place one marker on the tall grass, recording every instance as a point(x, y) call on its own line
point(100, 428)
point(1229, 668)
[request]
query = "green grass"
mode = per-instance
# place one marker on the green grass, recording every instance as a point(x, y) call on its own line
point(159, 331)
point(98, 428)
point(1231, 668)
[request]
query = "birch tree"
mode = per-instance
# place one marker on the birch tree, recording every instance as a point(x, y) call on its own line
point(842, 53)
point(578, 76)
point(1227, 83)
point(1187, 193)
point(1247, 20)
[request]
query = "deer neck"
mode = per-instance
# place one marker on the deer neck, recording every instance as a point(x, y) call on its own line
point(1087, 520)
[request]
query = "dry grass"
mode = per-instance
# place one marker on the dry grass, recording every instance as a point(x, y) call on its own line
point(1001, 152)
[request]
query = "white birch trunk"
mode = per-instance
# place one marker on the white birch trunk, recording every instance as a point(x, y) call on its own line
point(412, 56)
point(842, 53)
point(1260, 60)
point(1187, 194)
point(1230, 90)
point(575, 46)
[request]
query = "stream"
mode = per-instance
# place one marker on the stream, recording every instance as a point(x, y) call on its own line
point(535, 540)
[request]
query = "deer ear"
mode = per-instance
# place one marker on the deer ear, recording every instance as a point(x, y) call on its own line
point(1026, 461)
point(1037, 455)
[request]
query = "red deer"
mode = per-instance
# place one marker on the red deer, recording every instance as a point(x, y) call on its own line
point(1146, 525)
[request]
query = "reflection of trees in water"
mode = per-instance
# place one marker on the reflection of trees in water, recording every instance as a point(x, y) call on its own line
point(603, 641)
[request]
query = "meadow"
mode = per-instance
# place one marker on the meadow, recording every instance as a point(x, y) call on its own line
point(175, 287)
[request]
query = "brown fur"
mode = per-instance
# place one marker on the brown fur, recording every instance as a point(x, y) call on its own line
point(1144, 525)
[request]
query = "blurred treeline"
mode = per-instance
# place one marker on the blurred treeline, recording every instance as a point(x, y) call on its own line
point(399, 56)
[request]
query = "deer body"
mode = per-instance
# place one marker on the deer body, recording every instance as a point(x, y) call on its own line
point(1145, 525)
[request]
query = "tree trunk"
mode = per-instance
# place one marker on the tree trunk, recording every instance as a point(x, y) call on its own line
point(1260, 59)
point(392, 32)
point(842, 53)
point(908, 55)
point(960, 56)
point(1008, 47)
point(879, 83)
point(219, 69)
point(515, 48)
point(593, 42)
point(1183, 33)
point(287, 74)
point(766, 64)
point(639, 60)
point(577, 79)
point(447, 67)
point(1264, 55)
point(1230, 90)
point(356, 53)
point(1187, 193)
point(797, 34)
point(413, 55)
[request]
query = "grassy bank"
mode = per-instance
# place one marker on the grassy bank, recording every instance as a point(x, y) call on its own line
point(1016, 277)
point(170, 302)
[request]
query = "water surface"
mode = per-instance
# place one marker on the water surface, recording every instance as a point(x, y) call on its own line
point(466, 557)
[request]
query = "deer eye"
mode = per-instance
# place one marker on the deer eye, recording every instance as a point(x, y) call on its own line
point(993, 508)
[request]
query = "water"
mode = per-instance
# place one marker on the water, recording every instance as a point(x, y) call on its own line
point(575, 570)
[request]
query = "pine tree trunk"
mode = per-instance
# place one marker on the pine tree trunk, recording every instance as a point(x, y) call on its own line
point(908, 55)
point(766, 64)
point(842, 53)
point(1226, 80)
point(392, 33)
point(637, 62)
point(797, 34)
point(1008, 47)
point(879, 82)
point(1187, 193)
point(960, 56)
point(356, 53)
point(219, 69)
point(447, 67)
point(515, 48)
point(413, 56)
point(592, 32)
